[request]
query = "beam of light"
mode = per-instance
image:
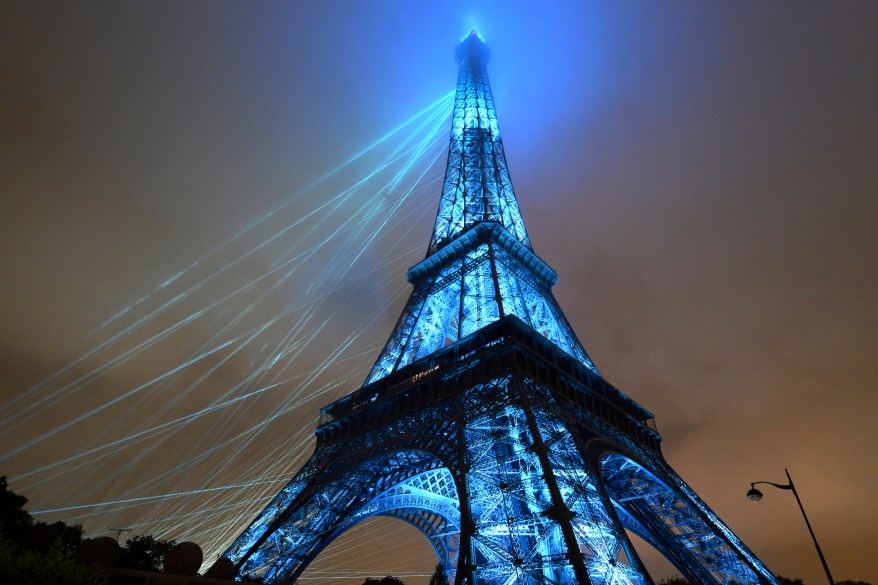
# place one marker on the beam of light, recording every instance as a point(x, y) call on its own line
point(159, 496)
point(164, 520)
point(7, 423)
point(292, 406)
point(148, 433)
point(116, 400)
point(130, 353)
point(288, 408)
point(373, 216)
point(212, 510)
point(120, 359)
point(443, 105)
point(223, 508)
point(412, 152)
point(174, 327)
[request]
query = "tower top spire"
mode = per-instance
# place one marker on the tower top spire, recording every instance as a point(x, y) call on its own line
point(477, 187)
point(472, 49)
point(480, 266)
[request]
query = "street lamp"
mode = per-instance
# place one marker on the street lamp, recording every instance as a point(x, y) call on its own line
point(755, 495)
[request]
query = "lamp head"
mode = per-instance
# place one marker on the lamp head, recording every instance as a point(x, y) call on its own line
point(754, 494)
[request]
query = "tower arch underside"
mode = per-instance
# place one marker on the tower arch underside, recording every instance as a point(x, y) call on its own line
point(408, 484)
point(428, 501)
point(676, 523)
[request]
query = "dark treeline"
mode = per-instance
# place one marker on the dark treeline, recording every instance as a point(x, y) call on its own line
point(39, 552)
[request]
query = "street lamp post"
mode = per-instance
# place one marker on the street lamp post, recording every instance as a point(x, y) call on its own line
point(756, 495)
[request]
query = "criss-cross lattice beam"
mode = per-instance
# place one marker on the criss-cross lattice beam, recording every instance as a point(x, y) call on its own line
point(477, 186)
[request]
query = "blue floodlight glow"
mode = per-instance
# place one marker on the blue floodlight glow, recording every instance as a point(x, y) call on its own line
point(505, 452)
point(157, 497)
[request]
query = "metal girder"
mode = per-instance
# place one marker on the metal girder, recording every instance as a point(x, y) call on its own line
point(457, 294)
point(507, 450)
point(477, 186)
point(280, 545)
point(536, 510)
point(468, 293)
point(536, 518)
point(694, 537)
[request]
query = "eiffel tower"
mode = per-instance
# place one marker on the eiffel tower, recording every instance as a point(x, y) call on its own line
point(485, 425)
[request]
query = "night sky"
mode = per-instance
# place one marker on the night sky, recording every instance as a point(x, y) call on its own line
point(703, 177)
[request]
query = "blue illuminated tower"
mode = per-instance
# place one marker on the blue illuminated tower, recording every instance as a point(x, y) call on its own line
point(484, 423)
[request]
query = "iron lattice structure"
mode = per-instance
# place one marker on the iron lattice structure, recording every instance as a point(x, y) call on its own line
point(484, 423)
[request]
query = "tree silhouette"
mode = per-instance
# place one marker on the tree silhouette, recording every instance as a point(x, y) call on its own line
point(674, 580)
point(20, 566)
point(69, 538)
point(439, 576)
point(145, 553)
point(28, 555)
point(781, 580)
point(15, 522)
point(388, 580)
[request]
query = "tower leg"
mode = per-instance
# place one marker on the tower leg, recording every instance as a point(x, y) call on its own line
point(560, 512)
point(688, 531)
point(537, 517)
point(411, 485)
point(604, 547)
point(464, 574)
